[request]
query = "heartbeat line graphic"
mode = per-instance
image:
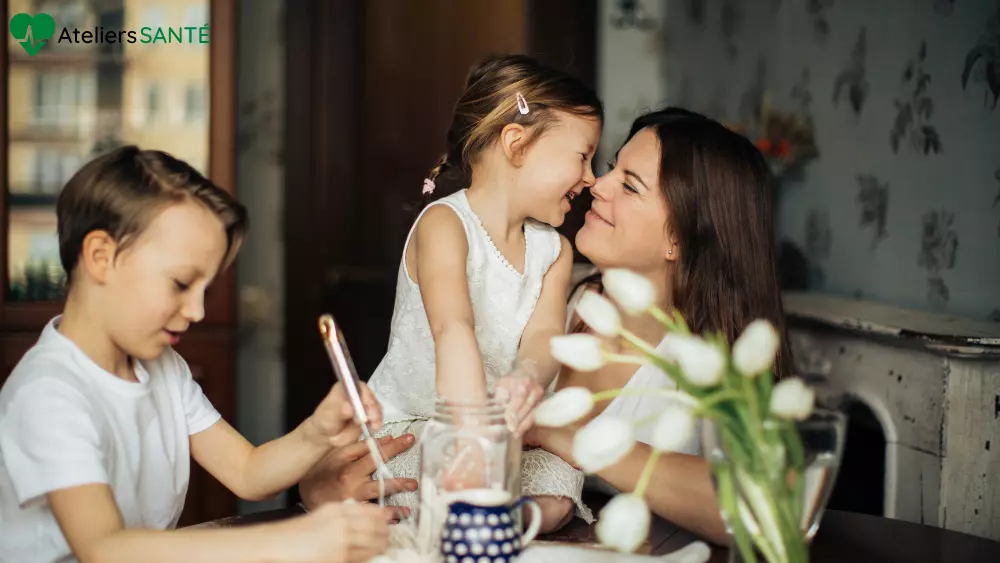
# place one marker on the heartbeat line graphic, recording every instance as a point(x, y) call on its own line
point(29, 42)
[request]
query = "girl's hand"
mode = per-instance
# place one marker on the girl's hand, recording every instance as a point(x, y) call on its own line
point(523, 394)
point(346, 532)
point(333, 420)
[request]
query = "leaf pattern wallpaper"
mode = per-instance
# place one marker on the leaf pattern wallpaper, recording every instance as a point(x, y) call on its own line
point(873, 196)
point(982, 62)
point(996, 200)
point(732, 21)
point(903, 103)
point(944, 7)
point(914, 109)
point(938, 247)
point(851, 83)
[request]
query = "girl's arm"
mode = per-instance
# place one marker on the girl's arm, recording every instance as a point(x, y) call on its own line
point(548, 319)
point(680, 489)
point(257, 473)
point(93, 527)
point(441, 251)
point(534, 368)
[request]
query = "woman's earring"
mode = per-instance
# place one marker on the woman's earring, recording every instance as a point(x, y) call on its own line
point(670, 252)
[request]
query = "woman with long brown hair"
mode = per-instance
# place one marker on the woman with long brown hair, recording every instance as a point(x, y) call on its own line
point(688, 205)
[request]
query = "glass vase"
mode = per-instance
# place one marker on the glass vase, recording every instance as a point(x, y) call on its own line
point(773, 487)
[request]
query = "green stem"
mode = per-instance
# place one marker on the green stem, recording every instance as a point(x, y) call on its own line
point(728, 503)
point(626, 358)
point(710, 401)
point(647, 473)
point(660, 315)
point(639, 343)
point(671, 393)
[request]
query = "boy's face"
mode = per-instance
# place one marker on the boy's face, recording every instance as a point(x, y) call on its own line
point(156, 288)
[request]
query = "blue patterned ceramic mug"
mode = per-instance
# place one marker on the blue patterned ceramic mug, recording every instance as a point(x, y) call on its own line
point(481, 528)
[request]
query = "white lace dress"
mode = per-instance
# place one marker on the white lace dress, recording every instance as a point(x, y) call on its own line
point(502, 302)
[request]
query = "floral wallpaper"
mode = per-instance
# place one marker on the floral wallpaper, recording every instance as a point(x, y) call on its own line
point(903, 203)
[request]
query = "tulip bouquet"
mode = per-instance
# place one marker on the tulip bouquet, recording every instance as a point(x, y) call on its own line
point(759, 479)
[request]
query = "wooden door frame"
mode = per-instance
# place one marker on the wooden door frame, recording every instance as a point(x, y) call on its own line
point(323, 83)
point(324, 76)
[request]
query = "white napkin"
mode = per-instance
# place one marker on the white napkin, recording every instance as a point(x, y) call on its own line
point(695, 552)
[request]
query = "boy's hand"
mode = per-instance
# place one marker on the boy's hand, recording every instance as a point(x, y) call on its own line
point(523, 394)
point(333, 420)
point(338, 533)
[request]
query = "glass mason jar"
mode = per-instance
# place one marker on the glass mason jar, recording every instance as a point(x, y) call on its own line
point(465, 445)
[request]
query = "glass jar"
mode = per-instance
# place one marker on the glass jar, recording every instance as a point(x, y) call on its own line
point(464, 445)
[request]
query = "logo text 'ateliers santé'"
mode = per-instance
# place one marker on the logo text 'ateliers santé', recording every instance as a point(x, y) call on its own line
point(145, 35)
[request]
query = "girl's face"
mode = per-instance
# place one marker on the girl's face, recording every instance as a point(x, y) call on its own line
point(156, 288)
point(628, 223)
point(558, 166)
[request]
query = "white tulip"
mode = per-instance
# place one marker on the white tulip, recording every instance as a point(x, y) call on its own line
point(599, 313)
point(702, 363)
point(602, 442)
point(624, 523)
point(674, 429)
point(694, 552)
point(566, 406)
point(754, 351)
point(791, 399)
point(633, 292)
point(581, 352)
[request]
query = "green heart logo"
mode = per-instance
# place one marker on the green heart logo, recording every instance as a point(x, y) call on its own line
point(32, 32)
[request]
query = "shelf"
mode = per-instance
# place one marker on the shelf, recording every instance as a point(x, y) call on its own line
point(32, 200)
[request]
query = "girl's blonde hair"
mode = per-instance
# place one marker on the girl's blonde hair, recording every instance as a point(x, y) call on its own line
point(497, 91)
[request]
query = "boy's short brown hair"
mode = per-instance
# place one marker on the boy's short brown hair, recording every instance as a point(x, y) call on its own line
point(122, 191)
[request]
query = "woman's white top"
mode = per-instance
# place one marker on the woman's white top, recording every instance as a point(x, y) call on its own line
point(502, 302)
point(641, 407)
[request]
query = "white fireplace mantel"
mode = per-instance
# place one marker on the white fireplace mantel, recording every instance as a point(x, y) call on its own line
point(933, 382)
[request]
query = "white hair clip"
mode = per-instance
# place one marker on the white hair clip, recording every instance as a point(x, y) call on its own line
point(522, 104)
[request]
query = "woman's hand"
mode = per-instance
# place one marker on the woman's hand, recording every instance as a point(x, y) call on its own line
point(345, 474)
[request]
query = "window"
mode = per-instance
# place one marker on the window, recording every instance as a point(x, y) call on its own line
point(153, 16)
point(51, 170)
point(57, 98)
point(196, 16)
point(152, 102)
point(194, 104)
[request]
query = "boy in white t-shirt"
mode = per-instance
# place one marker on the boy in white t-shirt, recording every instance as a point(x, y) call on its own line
point(99, 420)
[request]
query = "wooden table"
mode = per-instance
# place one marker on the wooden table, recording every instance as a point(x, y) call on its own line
point(844, 537)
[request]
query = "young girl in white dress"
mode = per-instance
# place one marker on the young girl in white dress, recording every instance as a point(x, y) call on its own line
point(484, 277)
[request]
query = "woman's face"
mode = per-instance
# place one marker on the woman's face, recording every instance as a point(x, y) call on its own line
point(627, 225)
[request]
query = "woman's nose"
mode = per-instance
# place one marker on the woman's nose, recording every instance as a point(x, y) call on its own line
point(600, 188)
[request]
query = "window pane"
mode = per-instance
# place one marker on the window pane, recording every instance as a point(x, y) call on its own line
point(70, 101)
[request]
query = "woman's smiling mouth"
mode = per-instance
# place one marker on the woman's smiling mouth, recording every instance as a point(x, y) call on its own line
point(598, 217)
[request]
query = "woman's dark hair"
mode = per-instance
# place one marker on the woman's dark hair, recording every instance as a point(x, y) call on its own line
point(490, 102)
point(718, 190)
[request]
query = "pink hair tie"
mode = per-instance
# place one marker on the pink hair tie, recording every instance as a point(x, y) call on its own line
point(428, 186)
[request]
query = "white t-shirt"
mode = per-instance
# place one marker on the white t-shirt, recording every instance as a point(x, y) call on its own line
point(637, 407)
point(65, 421)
